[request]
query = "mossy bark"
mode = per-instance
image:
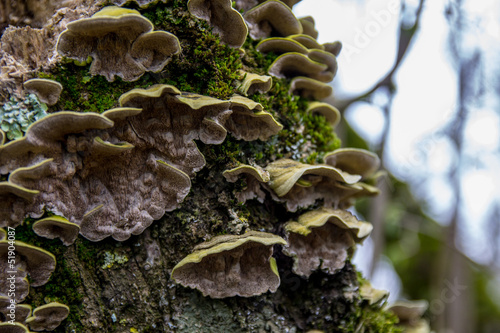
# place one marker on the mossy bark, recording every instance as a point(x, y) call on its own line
point(115, 286)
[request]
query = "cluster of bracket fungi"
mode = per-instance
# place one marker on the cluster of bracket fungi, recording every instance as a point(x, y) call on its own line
point(113, 174)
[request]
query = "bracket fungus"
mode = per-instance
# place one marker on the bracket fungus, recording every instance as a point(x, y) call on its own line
point(300, 185)
point(120, 41)
point(254, 83)
point(38, 263)
point(47, 317)
point(20, 314)
point(254, 176)
point(310, 88)
point(57, 227)
point(13, 328)
point(323, 239)
point(226, 21)
point(372, 295)
point(280, 45)
point(293, 64)
point(271, 19)
point(231, 265)
point(353, 160)
point(331, 114)
point(47, 91)
point(22, 286)
point(308, 26)
point(249, 122)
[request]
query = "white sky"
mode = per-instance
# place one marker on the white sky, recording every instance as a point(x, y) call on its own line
point(425, 100)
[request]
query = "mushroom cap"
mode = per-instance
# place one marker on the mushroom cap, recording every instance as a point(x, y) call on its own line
point(253, 83)
point(227, 22)
point(310, 88)
point(8, 188)
point(47, 317)
point(39, 263)
point(248, 122)
point(13, 328)
point(293, 64)
point(334, 48)
point(372, 295)
point(409, 310)
point(231, 265)
point(47, 91)
point(331, 114)
point(326, 58)
point(260, 174)
point(57, 227)
point(280, 45)
point(272, 18)
point(23, 311)
point(285, 173)
point(354, 160)
point(154, 50)
point(307, 41)
point(308, 26)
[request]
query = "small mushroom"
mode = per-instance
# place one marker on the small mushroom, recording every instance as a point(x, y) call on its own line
point(227, 22)
point(323, 239)
point(57, 227)
point(308, 26)
point(307, 41)
point(331, 114)
point(293, 64)
point(310, 88)
point(39, 263)
point(272, 18)
point(120, 41)
point(409, 312)
point(255, 83)
point(13, 311)
point(280, 45)
point(47, 317)
point(249, 122)
point(372, 295)
point(334, 48)
point(254, 177)
point(13, 328)
point(47, 91)
point(231, 265)
point(326, 58)
point(353, 160)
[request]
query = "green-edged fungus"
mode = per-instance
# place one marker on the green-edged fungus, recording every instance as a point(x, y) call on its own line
point(280, 45)
point(272, 18)
point(231, 265)
point(331, 114)
point(249, 122)
point(226, 21)
point(293, 64)
point(334, 48)
point(409, 312)
point(171, 121)
point(323, 239)
point(38, 263)
point(308, 26)
point(3, 234)
point(47, 317)
point(353, 160)
point(254, 83)
point(17, 312)
point(120, 41)
point(47, 91)
point(372, 295)
point(57, 227)
point(310, 88)
point(300, 185)
point(326, 58)
point(13, 328)
point(2, 137)
point(254, 176)
point(307, 41)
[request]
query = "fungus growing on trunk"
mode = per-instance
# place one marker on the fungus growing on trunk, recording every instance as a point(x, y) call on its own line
point(231, 265)
point(47, 91)
point(310, 88)
point(22, 311)
point(226, 21)
point(57, 227)
point(331, 114)
point(323, 239)
point(254, 83)
point(120, 41)
point(13, 328)
point(254, 176)
point(47, 317)
point(308, 26)
point(372, 295)
point(293, 64)
point(272, 18)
